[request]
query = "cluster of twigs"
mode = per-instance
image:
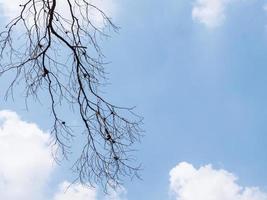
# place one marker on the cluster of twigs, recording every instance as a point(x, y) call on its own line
point(58, 53)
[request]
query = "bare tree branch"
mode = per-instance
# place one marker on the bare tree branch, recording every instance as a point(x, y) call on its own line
point(59, 54)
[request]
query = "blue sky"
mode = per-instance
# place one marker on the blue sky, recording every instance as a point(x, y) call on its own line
point(196, 70)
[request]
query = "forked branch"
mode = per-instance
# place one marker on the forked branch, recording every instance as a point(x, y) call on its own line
point(57, 53)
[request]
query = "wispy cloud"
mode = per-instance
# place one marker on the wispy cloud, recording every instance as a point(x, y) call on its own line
point(11, 9)
point(207, 183)
point(211, 13)
point(76, 191)
point(68, 191)
point(26, 164)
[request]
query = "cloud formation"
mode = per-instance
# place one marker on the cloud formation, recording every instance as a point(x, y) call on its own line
point(211, 13)
point(207, 183)
point(119, 194)
point(26, 164)
point(22, 172)
point(76, 191)
point(79, 192)
point(11, 9)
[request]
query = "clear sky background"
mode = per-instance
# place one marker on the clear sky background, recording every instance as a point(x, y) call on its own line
point(197, 72)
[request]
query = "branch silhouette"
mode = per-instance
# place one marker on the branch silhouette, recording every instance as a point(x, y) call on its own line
point(59, 54)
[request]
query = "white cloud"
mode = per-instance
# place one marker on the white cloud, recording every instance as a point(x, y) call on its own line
point(207, 183)
point(11, 9)
point(210, 12)
point(25, 158)
point(68, 191)
point(119, 194)
point(26, 164)
point(76, 191)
